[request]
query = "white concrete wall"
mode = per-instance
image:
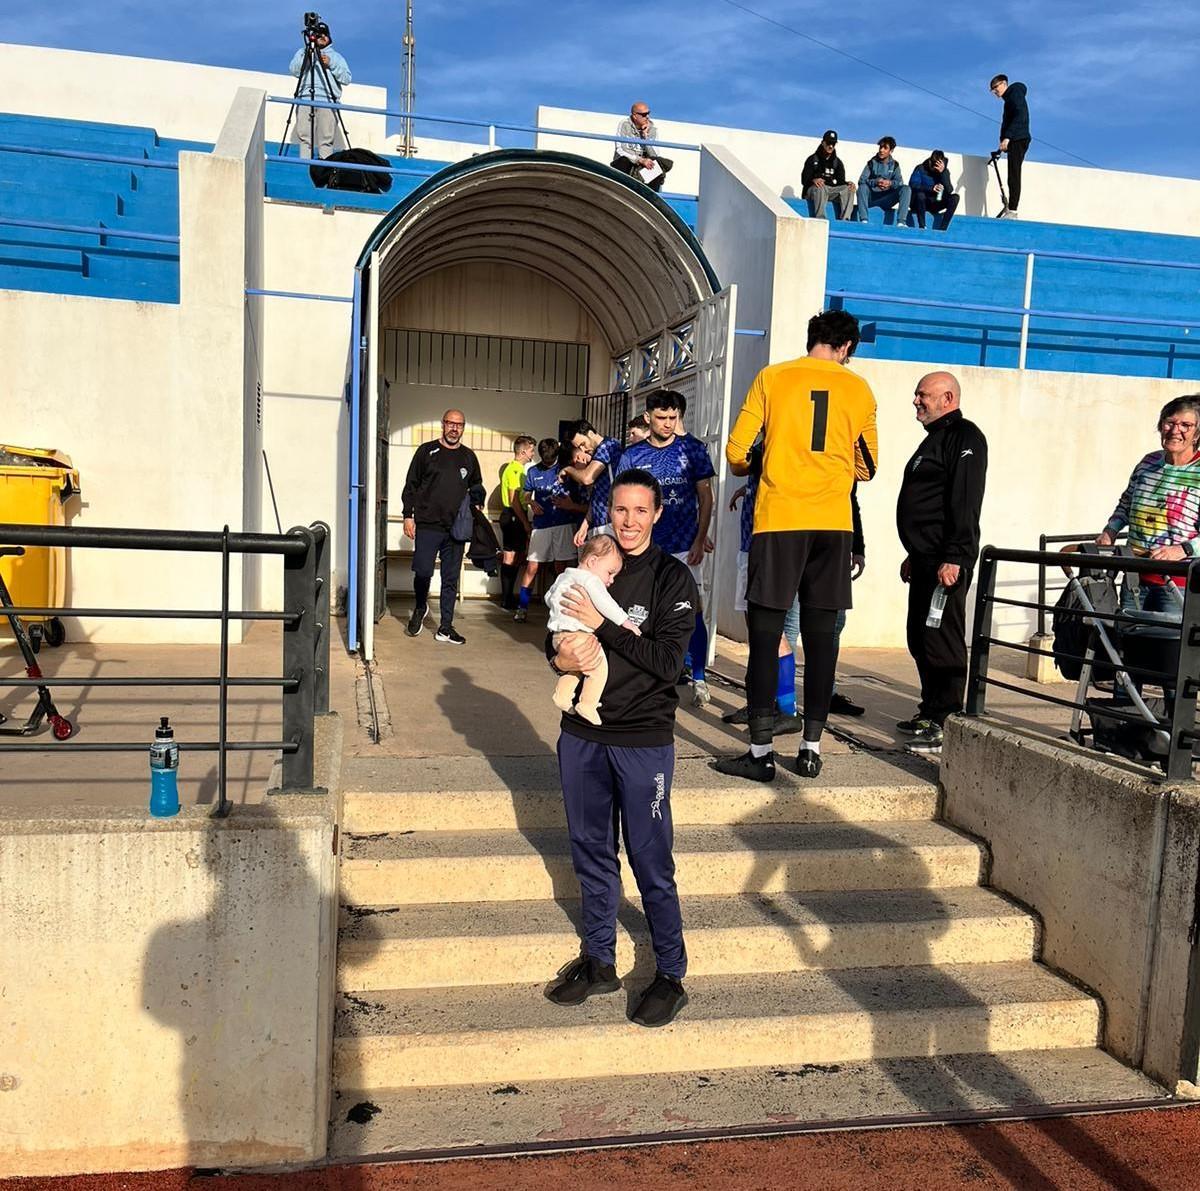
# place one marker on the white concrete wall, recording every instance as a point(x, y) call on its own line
point(176, 99)
point(777, 260)
point(166, 988)
point(151, 400)
point(1056, 193)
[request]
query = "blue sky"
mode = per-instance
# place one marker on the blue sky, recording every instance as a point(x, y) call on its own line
point(1108, 86)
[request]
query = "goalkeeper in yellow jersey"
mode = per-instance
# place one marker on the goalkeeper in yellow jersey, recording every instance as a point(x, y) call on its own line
point(817, 419)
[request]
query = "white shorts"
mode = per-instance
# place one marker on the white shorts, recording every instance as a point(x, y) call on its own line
point(606, 530)
point(554, 543)
point(683, 558)
point(739, 591)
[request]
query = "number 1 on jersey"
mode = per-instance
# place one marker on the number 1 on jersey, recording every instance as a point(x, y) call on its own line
point(820, 400)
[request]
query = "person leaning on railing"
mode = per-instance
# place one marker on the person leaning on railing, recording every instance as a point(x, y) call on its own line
point(1161, 505)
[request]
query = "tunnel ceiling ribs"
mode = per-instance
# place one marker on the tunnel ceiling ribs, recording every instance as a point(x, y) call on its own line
point(625, 257)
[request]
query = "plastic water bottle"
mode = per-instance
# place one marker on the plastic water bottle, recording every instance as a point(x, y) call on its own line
point(937, 606)
point(164, 772)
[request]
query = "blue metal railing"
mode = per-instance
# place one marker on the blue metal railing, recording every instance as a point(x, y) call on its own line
point(107, 158)
point(89, 230)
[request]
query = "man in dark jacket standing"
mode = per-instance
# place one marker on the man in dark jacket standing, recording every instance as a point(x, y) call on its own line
point(441, 474)
point(937, 515)
point(626, 762)
point(824, 176)
point(1014, 136)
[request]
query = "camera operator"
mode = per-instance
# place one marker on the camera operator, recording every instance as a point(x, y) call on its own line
point(322, 73)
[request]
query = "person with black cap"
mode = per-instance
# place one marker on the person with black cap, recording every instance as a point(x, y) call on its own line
point(823, 176)
point(317, 127)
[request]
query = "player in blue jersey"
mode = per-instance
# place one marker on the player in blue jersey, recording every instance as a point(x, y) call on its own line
point(681, 465)
point(556, 506)
point(600, 457)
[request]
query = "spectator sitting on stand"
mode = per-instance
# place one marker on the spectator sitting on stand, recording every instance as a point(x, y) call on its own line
point(933, 190)
point(635, 150)
point(825, 175)
point(881, 184)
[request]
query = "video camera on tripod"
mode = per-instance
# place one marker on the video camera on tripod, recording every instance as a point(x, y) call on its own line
point(314, 27)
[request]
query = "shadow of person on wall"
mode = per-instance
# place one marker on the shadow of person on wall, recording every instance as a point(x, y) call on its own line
point(246, 984)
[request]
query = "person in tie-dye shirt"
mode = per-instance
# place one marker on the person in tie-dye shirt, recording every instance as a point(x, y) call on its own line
point(1161, 504)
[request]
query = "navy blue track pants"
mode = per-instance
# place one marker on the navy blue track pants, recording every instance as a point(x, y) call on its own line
point(599, 780)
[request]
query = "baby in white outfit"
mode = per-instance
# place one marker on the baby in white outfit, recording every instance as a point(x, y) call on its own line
point(599, 563)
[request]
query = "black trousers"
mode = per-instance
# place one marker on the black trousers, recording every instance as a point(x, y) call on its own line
point(945, 206)
point(432, 543)
point(631, 167)
point(941, 653)
point(1016, 159)
point(762, 677)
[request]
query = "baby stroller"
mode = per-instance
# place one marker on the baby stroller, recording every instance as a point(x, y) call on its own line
point(1112, 656)
point(44, 709)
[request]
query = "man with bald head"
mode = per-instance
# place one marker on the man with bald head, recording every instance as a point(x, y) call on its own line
point(442, 473)
point(937, 515)
point(635, 152)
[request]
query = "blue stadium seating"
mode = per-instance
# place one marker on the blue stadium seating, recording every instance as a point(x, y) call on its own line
point(917, 264)
point(63, 190)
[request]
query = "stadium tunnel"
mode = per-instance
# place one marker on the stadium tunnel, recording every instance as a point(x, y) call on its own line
point(526, 288)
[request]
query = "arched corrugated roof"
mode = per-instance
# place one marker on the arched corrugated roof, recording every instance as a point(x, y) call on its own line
point(617, 247)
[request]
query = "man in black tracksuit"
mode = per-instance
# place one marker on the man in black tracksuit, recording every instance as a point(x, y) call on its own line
point(1014, 136)
point(441, 473)
point(623, 766)
point(937, 515)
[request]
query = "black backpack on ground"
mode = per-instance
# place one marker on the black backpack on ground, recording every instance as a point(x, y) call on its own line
point(329, 177)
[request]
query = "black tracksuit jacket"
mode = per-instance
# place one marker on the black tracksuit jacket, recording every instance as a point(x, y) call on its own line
point(438, 479)
point(638, 707)
point(941, 496)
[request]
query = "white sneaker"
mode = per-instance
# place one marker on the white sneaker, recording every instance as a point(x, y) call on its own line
point(701, 696)
point(1008, 213)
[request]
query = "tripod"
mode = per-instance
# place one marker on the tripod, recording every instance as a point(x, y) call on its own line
point(308, 70)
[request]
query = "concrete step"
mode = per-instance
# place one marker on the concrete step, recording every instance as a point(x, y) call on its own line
point(534, 865)
point(507, 1114)
point(426, 946)
point(511, 793)
point(509, 1033)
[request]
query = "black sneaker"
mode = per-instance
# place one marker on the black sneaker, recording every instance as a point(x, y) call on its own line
point(808, 763)
point(416, 622)
point(448, 635)
point(785, 724)
point(580, 978)
point(928, 740)
point(840, 705)
point(660, 1002)
point(741, 716)
point(911, 727)
point(748, 766)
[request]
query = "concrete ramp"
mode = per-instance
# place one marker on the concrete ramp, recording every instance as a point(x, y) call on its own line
point(845, 965)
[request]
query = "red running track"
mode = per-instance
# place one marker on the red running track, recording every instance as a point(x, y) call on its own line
point(1136, 1151)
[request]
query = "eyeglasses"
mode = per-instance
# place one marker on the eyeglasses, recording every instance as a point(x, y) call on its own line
point(453, 425)
point(1166, 426)
point(641, 113)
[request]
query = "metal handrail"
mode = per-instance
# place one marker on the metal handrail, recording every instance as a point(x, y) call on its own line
point(303, 681)
point(459, 120)
point(88, 230)
point(999, 250)
point(1178, 725)
point(106, 158)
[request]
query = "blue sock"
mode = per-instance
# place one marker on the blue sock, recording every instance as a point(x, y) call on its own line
point(785, 692)
point(698, 650)
point(523, 598)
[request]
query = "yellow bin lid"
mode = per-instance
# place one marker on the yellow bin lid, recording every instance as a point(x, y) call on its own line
point(34, 460)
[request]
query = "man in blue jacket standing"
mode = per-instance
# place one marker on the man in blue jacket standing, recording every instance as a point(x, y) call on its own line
point(321, 78)
point(933, 191)
point(881, 184)
point(1014, 136)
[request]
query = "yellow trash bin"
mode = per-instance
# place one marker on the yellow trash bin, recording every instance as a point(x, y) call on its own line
point(35, 486)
